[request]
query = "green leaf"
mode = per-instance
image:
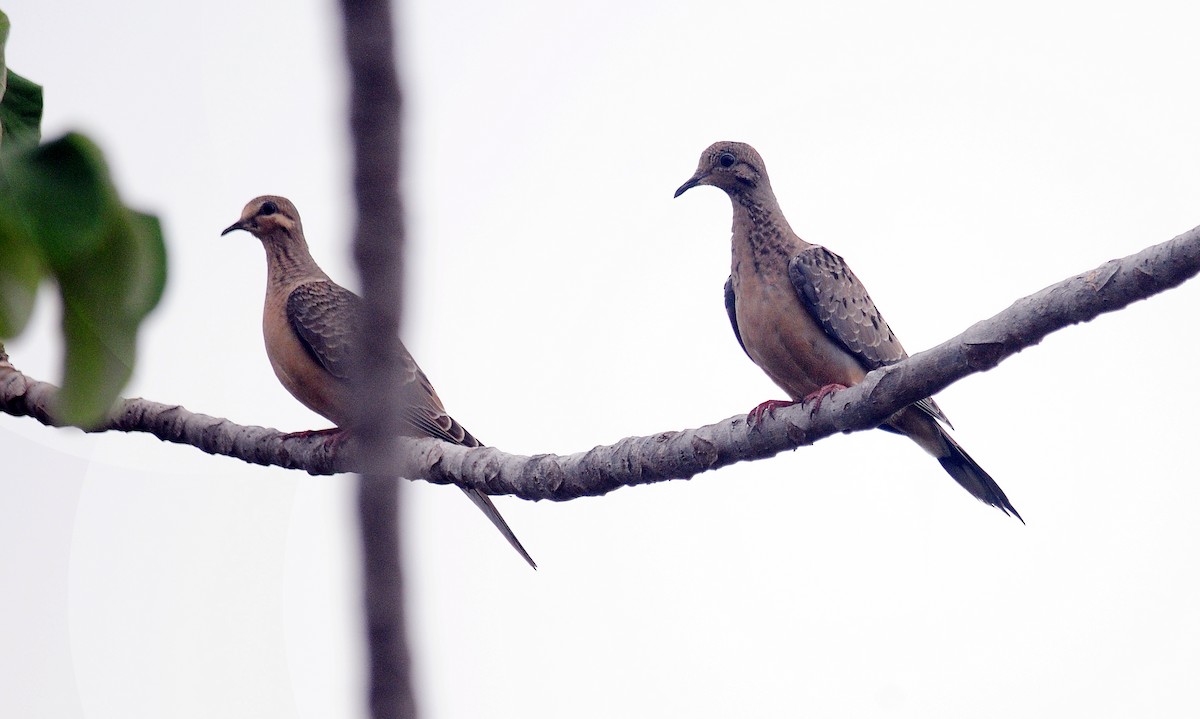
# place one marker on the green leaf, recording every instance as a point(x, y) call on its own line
point(20, 112)
point(110, 263)
point(20, 102)
point(20, 262)
point(65, 196)
point(21, 269)
point(60, 214)
point(148, 265)
point(4, 27)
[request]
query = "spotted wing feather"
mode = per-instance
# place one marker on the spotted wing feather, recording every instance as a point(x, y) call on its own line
point(326, 318)
point(839, 302)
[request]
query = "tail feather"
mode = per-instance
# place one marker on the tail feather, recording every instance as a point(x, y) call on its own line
point(967, 472)
point(433, 420)
point(922, 427)
point(485, 505)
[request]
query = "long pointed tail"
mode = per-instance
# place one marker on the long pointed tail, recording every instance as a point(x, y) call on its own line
point(923, 429)
point(445, 427)
point(973, 478)
point(485, 505)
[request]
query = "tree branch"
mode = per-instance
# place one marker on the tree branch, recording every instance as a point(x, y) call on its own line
point(682, 454)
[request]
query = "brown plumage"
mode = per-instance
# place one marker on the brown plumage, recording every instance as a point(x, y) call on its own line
point(804, 318)
point(310, 325)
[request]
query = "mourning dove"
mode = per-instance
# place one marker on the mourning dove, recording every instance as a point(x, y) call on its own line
point(804, 318)
point(310, 324)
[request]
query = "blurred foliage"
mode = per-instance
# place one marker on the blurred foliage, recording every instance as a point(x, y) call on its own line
point(61, 216)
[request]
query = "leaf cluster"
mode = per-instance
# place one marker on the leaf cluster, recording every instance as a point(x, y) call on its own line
point(62, 218)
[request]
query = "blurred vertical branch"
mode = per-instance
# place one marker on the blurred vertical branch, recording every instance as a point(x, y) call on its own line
point(375, 107)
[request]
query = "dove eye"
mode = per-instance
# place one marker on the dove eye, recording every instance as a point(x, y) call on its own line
point(726, 159)
point(268, 208)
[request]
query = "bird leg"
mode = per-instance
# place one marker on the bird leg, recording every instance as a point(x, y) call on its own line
point(821, 394)
point(334, 436)
point(756, 415)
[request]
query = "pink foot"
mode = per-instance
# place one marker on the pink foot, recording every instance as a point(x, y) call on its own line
point(756, 415)
point(821, 394)
point(334, 436)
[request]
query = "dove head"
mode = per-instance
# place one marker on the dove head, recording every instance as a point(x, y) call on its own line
point(269, 218)
point(735, 167)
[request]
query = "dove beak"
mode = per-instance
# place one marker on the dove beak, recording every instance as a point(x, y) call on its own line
point(696, 180)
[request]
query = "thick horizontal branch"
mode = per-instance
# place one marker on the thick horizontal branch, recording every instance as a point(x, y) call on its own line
point(682, 454)
point(23, 396)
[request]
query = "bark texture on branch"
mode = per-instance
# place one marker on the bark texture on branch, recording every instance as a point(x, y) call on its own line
point(682, 454)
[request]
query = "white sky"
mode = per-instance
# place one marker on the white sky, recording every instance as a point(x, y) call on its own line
point(559, 298)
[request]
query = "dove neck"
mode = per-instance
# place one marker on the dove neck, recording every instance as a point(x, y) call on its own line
point(289, 261)
point(761, 231)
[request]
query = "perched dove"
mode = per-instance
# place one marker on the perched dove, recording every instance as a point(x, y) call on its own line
point(310, 326)
point(804, 318)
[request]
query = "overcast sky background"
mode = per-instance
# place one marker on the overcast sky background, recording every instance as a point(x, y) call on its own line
point(559, 298)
